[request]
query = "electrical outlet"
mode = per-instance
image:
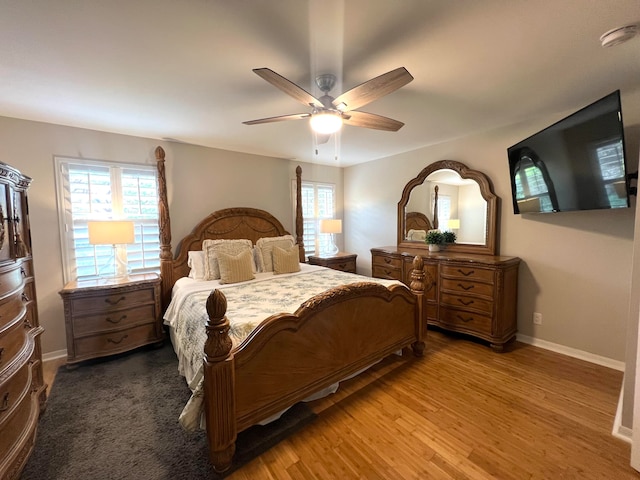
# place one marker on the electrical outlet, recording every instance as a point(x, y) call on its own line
point(537, 318)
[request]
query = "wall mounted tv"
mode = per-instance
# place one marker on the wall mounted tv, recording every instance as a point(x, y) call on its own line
point(577, 163)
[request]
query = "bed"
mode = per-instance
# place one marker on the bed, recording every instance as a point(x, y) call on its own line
point(290, 356)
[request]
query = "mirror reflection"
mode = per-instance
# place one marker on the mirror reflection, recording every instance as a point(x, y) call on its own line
point(447, 202)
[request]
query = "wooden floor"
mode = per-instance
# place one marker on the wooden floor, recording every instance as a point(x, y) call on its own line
point(461, 412)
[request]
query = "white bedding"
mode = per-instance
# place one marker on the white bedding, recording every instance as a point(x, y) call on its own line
point(248, 304)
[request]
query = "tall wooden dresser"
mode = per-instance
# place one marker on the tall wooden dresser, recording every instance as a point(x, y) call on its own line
point(22, 389)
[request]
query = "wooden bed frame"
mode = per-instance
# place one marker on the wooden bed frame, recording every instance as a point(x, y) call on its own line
point(287, 357)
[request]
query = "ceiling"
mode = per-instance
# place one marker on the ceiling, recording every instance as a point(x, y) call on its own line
point(182, 70)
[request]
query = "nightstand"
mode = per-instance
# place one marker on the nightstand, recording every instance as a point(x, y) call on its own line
point(105, 317)
point(345, 262)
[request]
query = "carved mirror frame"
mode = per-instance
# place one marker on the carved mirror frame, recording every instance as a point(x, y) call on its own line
point(486, 190)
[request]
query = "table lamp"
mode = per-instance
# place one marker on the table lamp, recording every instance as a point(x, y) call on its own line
point(331, 226)
point(115, 233)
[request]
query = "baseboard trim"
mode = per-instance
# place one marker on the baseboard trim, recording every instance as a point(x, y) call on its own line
point(54, 355)
point(572, 352)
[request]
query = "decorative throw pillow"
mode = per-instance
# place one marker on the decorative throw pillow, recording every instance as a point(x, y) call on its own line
point(196, 263)
point(265, 246)
point(235, 268)
point(286, 261)
point(213, 247)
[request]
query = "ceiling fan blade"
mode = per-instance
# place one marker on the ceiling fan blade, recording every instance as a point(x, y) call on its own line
point(373, 89)
point(294, 116)
point(288, 87)
point(371, 120)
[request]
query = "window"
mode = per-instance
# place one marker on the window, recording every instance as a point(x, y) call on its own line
point(318, 202)
point(96, 190)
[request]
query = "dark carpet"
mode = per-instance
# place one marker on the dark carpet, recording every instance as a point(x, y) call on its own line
point(118, 419)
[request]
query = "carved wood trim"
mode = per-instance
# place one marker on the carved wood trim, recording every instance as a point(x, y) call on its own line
point(486, 190)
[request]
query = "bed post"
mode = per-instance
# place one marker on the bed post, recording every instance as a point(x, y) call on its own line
point(219, 385)
point(299, 220)
point(166, 258)
point(417, 287)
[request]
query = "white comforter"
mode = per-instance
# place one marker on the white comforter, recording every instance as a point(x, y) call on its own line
point(248, 304)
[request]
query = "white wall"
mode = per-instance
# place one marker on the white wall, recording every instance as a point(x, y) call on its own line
point(199, 181)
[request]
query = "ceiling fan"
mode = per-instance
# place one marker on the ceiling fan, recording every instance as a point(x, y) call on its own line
point(328, 113)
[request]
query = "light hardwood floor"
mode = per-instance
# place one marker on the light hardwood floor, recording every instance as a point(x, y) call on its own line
point(461, 412)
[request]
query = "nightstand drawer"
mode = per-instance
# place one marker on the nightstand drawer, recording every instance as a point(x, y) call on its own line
point(348, 266)
point(115, 342)
point(106, 302)
point(344, 262)
point(83, 325)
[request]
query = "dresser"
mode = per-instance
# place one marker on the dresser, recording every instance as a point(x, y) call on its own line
point(109, 316)
point(466, 293)
point(22, 389)
point(345, 262)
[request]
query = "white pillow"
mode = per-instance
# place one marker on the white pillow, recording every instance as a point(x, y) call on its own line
point(229, 247)
point(265, 248)
point(416, 235)
point(196, 263)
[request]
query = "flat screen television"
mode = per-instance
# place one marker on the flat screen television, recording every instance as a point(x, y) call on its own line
point(578, 163)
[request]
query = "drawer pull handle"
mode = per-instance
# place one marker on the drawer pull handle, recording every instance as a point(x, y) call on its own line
point(25, 298)
point(1, 351)
point(466, 274)
point(114, 302)
point(23, 271)
point(342, 266)
point(110, 340)
point(27, 323)
point(466, 288)
point(465, 303)
point(111, 320)
point(468, 319)
point(5, 403)
point(387, 261)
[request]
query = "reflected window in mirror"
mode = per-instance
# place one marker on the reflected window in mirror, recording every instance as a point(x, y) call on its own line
point(534, 188)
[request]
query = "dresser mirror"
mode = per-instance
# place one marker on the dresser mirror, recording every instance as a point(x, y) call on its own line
point(447, 195)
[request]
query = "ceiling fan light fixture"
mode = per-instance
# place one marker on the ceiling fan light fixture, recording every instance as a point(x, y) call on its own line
point(326, 122)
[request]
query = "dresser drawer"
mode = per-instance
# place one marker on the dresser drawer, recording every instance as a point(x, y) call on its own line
point(14, 388)
point(387, 262)
point(468, 273)
point(114, 342)
point(466, 287)
point(12, 338)
point(471, 303)
point(106, 302)
point(387, 272)
point(89, 324)
point(10, 281)
point(462, 320)
point(16, 419)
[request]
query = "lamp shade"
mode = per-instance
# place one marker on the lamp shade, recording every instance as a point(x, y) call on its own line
point(110, 232)
point(331, 226)
point(453, 224)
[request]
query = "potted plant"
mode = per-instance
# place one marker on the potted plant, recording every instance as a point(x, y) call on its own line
point(449, 237)
point(435, 238)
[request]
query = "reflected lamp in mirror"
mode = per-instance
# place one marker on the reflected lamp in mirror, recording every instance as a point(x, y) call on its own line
point(116, 233)
point(453, 224)
point(331, 226)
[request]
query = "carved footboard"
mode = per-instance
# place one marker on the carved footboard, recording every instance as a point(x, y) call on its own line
point(289, 357)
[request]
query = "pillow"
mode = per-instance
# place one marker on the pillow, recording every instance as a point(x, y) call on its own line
point(286, 261)
point(417, 235)
point(213, 247)
point(235, 268)
point(265, 246)
point(196, 263)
